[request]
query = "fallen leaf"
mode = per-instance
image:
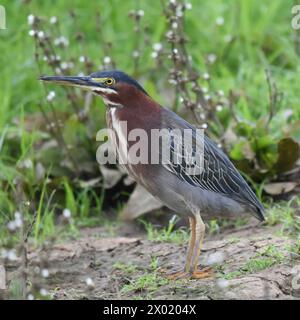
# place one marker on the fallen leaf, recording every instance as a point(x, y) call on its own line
point(288, 154)
point(277, 188)
point(111, 176)
point(140, 202)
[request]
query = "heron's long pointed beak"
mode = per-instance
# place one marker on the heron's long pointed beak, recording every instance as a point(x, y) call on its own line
point(80, 82)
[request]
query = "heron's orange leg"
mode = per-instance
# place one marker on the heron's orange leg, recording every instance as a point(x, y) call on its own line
point(194, 249)
point(187, 266)
point(184, 273)
point(199, 237)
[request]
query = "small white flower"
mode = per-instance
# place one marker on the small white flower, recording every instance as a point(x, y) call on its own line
point(53, 20)
point(27, 163)
point(67, 213)
point(154, 55)
point(220, 93)
point(211, 58)
point(157, 46)
point(41, 35)
point(206, 76)
point(179, 12)
point(64, 65)
point(18, 215)
point(174, 25)
point(222, 283)
point(61, 41)
point(30, 297)
point(18, 223)
point(43, 292)
point(188, 6)
point(51, 96)
point(219, 107)
point(89, 282)
point(172, 1)
point(204, 90)
point(172, 81)
point(141, 13)
point(135, 54)
point(169, 34)
point(287, 113)
point(207, 97)
point(204, 126)
point(219, 21)
point(11, 226)
point(45, 273)
point(106, 60)
point(82, 59)
point(30, 19)
point(228, 38)
point(31, 33)
point(45, 58)
point(175, 51)
point(11, 255)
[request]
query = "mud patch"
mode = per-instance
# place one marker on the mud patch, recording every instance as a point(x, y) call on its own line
point(250, 263)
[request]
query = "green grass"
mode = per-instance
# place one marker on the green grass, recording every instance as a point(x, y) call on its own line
point(127, 268)
point(261, 38)
point(147, 283)
point(285, 213)
point(166, 234)
point(260, 261)
point(261, 31)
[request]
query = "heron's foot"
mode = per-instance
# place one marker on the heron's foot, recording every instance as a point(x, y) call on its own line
point(177, 275)
point(174, 275)
point(182, 274)
point(203, 274)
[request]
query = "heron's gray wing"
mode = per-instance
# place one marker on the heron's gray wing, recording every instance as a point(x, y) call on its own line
point(217, 173)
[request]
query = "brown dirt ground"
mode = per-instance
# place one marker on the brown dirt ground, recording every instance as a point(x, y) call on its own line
point(120, 266)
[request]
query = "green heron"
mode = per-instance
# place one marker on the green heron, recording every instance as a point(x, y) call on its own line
point(218, 189)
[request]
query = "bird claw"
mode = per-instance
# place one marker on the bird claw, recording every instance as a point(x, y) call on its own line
point(198, 274)
point(177, 275)
point(203, 274)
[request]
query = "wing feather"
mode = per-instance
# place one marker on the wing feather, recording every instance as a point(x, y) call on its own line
point(218, 173)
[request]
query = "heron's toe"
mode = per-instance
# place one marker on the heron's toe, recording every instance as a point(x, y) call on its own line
point(175, 275)
point(203, 274)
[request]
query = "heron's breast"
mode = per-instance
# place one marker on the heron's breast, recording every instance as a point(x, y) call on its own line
point(118, 137)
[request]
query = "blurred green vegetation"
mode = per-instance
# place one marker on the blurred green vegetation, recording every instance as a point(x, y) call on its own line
point(246, 37)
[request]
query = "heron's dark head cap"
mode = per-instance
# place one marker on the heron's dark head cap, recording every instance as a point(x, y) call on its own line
point(118, 77)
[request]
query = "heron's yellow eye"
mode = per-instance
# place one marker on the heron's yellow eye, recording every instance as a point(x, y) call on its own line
point(109, 81)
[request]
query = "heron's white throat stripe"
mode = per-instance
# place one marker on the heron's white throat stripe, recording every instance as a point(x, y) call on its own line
point(100, 90)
